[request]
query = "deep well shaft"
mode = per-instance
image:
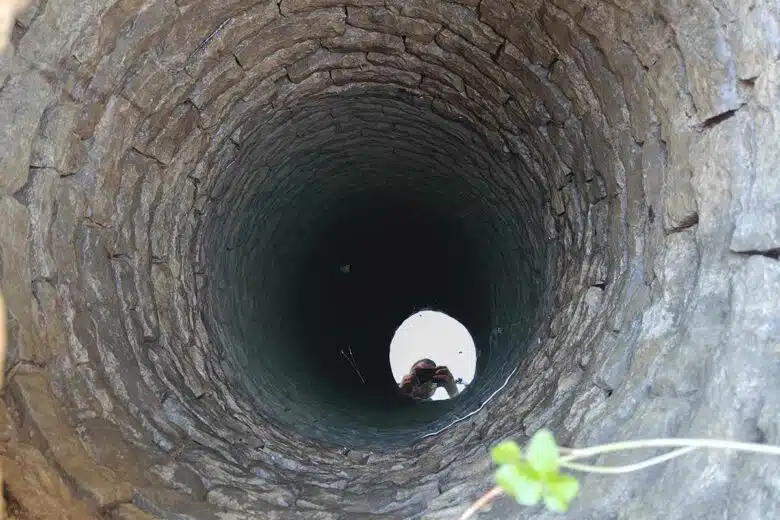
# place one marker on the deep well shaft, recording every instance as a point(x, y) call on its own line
point(589, 186)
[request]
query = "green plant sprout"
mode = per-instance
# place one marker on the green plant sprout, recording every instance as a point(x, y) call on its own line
point(534, 475)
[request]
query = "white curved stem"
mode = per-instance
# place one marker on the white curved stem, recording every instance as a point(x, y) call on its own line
point(581, 453)
point(616, 470)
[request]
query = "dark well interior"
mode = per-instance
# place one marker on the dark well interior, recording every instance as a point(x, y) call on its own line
point(587, 185)
point(425, 212)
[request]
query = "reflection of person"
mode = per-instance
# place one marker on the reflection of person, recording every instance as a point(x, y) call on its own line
point(424, 378)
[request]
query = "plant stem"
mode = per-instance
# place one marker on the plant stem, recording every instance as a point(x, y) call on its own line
point(616, 470)
point(569, 455)
point(582, 453)
point(482, 502)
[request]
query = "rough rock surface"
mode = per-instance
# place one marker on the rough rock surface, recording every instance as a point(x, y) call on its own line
point(591, 186)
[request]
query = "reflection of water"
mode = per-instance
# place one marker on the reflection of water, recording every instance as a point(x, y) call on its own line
point(434, 335)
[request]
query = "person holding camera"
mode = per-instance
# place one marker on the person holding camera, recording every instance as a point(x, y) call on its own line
point(424, 378)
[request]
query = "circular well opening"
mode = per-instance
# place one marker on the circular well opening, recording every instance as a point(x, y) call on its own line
point(434, 335)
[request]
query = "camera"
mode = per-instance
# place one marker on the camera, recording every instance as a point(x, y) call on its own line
point(424, 375)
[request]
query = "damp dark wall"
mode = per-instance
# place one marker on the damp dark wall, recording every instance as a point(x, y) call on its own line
point(590, 187)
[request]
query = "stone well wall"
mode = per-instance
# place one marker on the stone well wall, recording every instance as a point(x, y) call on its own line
point(590, 186)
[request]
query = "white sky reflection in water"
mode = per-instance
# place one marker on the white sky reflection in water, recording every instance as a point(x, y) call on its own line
point(434, 335)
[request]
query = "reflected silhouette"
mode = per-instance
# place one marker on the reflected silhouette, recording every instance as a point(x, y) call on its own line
point(423, 337)
point(424, 377)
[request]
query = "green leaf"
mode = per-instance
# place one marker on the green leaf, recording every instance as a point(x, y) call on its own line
point(507, 452)
point(542, 453)
point(559, 491)
point(555, 504)
point(520, 482)
point(564, 486)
